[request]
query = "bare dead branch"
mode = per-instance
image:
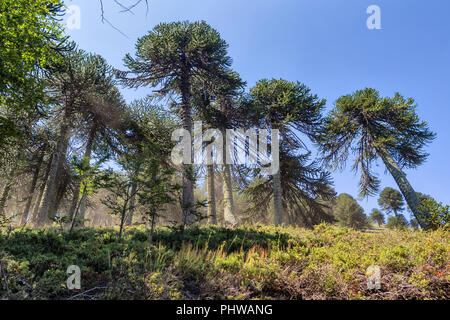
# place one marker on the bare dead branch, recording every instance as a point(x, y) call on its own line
point(124, 9)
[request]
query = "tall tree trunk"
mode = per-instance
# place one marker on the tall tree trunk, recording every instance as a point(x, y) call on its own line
point(37, 169)
point(37, 203)
point(48, 206)
point(188, 186)
point(407, 190)
point(62, 185)
point(212, 214)
point(277, 199)
point(152, 230)
point(229, 216)
point(134, 186)
point(75, 215)
point(6, 191)
point(129, 219)
point(87, 158)
point(75, 199)
point(122, 220)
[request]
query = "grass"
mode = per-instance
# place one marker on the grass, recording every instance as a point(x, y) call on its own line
point(258, 262)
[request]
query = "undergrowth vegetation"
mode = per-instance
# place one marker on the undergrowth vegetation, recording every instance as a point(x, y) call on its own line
point(218, 263)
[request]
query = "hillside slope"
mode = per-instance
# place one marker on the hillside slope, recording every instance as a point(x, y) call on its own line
point(218, 263)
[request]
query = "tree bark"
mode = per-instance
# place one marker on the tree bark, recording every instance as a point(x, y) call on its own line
point(62, 185)
point(277, 199)
point(405, 187)
point(6, 191)
point(37, 204)
point(74, 218)
point(48, 206)
point(152, 230)
point(188, 186)
point(229, 216)
point(129, 219)
point(228, 203)
point(26, 211)
point(134, 186)
point(122, 220)
point(75, 199)
point(87, 157)
point(212, 213)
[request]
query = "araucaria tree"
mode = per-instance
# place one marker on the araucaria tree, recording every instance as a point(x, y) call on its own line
point(170, 58)
point(349, 213)
point(372, 127)
point(377, 216)
point(391, 201)
point(74, 85)
point(216, 103)
point(291, 108)
point(30, 38)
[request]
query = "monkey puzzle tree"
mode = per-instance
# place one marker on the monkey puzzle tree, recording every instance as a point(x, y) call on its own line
point(377, 216)
point(30, 37)
point(70, 82)
point(397, 222)
point(349, 213)
point(100, 117)
point(215, 103)
point(305, 188)
point(391, 201)
point(146, 177)
point(171, 57)
point(149, 129)
point(373, 127)
point(290, 108)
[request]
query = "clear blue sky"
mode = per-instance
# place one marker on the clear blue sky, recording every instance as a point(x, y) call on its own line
point(322, 43)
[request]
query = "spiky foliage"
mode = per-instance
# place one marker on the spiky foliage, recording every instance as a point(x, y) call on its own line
point(291, 108)
point(216, 102)
point(438, 214)
point(171, 58)
point(287, 106)
point(349, 213)
point(391, 201)
point(175, 53)
point(397, 222)
point(30, 38)
point(377, 216)
point(368, 126)
point(304, 185)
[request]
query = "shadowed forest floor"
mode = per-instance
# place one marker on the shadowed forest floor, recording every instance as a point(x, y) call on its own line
point(218, 263)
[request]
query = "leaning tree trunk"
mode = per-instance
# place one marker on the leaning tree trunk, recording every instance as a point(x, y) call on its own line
point(229, 216)
point(277, 199)
point(407, 190)
point(62, 184)
point(47, 209)
point(26, 211)
point(75, 199)
point(188, 186)
point(37, 203)
point(87, 158)
point(6, 191)
point(212, 214)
